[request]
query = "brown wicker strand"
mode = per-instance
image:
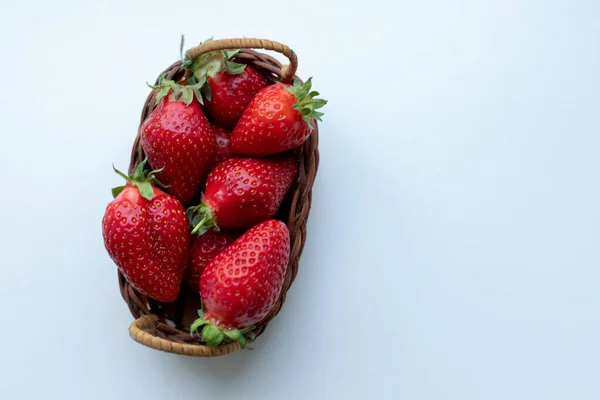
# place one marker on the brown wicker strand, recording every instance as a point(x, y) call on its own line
point(151, 326)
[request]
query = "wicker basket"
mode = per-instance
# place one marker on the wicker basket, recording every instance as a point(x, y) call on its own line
point(164, 326)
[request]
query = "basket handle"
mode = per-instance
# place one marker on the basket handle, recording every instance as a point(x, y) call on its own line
point(287, 71)
point(142, 331)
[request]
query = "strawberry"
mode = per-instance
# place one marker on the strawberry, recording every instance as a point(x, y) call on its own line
point(222, 151)
point(231, 93)
point(176, 136)
point(242, 192)
point(147, 235)
point(241, 285)
point(203, 249)
point(223, 148)
point(279, 118)
point(227, 86)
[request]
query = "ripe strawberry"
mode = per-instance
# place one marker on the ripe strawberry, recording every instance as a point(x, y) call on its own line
point(231, 93)
point(176, 136)
point(241, 285)
point(279, 118)
point(203, 249)
point(147, 235)
point(222, 151)
point(229, 86)
point(223, 148)
point(242, 192)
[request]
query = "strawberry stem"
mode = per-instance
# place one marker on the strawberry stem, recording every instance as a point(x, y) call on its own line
point(199, 225)
point(201, 219)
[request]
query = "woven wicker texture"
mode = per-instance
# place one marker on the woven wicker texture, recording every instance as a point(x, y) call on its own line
point(166, 326)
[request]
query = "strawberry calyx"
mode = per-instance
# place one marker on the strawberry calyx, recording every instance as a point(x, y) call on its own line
point(211, 63)
point(306, 102)
point(142, 178)
point(179, 92)
point(201, 219)
point(214, 335)
point(208, 65)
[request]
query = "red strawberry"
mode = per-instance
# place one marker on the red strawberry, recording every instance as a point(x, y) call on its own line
point(203, 249)
point(241, 285)
point(147, 235)
point(231, 93)
point(279, 118)
point(176, 136)
point(230, 87)
point(222, 151)
point(242, 192)
point(223, 148)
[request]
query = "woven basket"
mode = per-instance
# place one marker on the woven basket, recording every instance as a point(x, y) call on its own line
point(165, 327)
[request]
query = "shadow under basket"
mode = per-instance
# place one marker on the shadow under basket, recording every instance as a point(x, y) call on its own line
point(165, 326)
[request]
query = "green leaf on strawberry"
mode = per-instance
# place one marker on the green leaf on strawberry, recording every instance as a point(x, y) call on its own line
point(179, 91)
point(142, 178)
point(306, 102)
point(234, 68)
point(215, 336)
point(209, 64)
point(117, 191)
point(197, 324)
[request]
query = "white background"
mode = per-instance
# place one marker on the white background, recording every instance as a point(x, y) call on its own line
point(453, 248)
